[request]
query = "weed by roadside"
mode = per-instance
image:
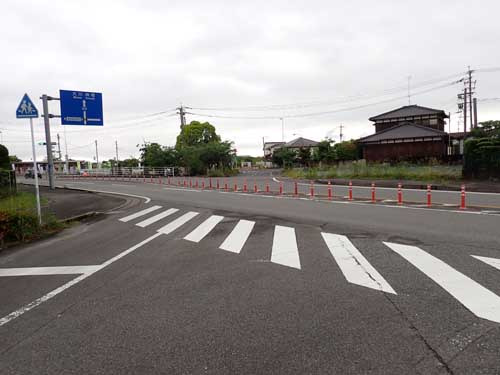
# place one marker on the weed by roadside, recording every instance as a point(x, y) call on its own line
point(427, 173)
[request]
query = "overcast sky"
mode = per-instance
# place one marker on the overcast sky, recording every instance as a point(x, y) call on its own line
point(346, 60)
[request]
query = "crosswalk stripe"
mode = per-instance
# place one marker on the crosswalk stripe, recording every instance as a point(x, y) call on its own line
point(140, 213)
point(238, 236)
point(494, 262)
point(285, 250)
point(355, 267)
point(170, 227)
point(204, 228)
point(479, 300)
point(156, 218)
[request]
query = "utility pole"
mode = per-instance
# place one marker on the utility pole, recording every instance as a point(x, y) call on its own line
point(182, 116)
point(470, 98)
point(475, 111)
point(117, 160)
point(59, 146)
point(96, 154)
point(66, 149)
point(50, 159)
point(465, 111)
point(341, 135)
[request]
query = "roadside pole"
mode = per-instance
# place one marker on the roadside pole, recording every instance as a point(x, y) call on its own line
point(50, 160)
point(35, 171)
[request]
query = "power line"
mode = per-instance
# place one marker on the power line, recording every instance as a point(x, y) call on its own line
point(346, 109)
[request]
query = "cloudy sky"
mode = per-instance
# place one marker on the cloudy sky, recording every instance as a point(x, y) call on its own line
point(317, 64)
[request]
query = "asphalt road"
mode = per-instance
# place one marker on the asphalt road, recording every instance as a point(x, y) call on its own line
point(184, 281)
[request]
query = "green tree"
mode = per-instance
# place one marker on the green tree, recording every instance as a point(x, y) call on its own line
point(4, 158)
point(304, 156)
point(284, 157)
point(130, 162)
point(154, 155)
point(325, 152)
point(195, 134)
point(347, 150)
point(14, 159)
point(482, 151)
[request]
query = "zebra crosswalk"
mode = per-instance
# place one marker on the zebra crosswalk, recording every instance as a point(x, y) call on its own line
point(354, 266)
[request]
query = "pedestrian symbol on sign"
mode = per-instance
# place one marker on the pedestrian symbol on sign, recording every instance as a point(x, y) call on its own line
point(26, 108)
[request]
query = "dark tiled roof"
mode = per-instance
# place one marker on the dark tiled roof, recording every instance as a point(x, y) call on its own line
point(408, 111)
point(301, 142)
point(402, 131)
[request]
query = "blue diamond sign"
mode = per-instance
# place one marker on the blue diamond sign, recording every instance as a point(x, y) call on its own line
point(26, 108)
point(81, 108)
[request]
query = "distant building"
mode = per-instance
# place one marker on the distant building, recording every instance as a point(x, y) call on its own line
point(408, 133)
point(294, 145)
point(270, 147)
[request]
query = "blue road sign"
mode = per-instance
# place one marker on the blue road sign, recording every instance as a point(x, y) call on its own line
point(26, 108)
point(81, 108)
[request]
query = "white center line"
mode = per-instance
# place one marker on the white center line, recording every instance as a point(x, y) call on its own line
point(285, 250)
point(170, 227)
point(140, 213)
point(238, 236)
point(156, 218)
point(17, 313)
point(204, 228)
point(355, 267)
point(494, 262)
point(479, 300)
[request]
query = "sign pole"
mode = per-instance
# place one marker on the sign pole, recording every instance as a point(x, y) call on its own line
point(35, 171)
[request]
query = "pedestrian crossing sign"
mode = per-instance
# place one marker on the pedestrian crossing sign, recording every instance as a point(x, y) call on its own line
point(26, 108)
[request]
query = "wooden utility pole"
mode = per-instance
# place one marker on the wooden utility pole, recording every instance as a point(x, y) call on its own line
point(470, 98)
point(474, 106)
point(182, 116)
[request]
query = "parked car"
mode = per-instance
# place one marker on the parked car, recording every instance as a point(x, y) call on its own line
point(30, 174)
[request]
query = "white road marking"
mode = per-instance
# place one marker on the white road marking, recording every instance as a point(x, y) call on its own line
point(355, 267)
point(479, 300)
point(204, 228)
point(30, 306)
point(140, 213)
point(124, 185)
point(37, 271)
point(146, 199)
point(494, 262)
point(156, 218)
point(285, 250)
point(238, 236)
point(185, 189)
point(170, 227)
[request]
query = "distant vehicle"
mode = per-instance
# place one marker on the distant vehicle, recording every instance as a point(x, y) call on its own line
point(30, 174)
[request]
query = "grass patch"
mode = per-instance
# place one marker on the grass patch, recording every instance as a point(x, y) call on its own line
point(19, 219)
point(427, 173)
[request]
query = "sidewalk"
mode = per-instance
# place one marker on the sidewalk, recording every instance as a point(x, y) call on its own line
point(66, 204)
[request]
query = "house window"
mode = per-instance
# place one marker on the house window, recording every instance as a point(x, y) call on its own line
point(433, 121)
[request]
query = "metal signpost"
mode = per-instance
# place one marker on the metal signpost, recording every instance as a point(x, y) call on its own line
point(27, 109)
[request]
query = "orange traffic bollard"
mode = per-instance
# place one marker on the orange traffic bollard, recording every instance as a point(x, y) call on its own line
point(296, 189)
point(400, 194)
point(429, 196)
point(373, 193)
point(462, 197)
point(329, 191)
point(350, 190)
point(311, 190)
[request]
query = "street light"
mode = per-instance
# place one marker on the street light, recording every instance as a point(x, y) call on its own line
point(282, 129)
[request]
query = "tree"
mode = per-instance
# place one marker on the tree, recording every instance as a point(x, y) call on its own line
point(4, 158)
point(130, 162)
point(482, 151)
point(304, 156)
point(154, 155)
point(14, 159)
point(347, 150)
point(284, 157)
point(325, 152)
point(195, 134)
